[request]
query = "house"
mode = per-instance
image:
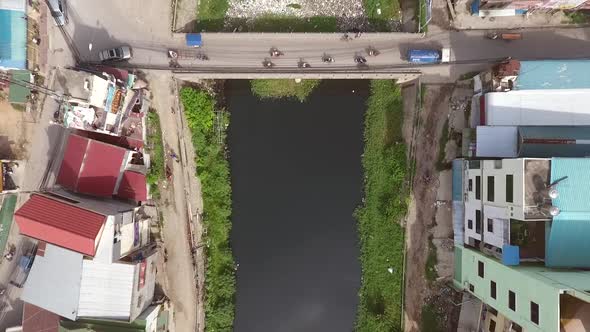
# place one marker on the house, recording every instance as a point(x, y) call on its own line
point(106, 102)
point(13, 53)
point(107, 230)
point(95, 168)
point(526, 209)
point(75, 286)
point(532, 141)
point(524, 298)
point(35, 319)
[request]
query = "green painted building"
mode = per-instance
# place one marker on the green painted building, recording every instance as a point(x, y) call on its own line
point(528, 297)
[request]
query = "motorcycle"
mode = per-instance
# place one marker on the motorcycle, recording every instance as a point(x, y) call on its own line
point(267, 63)
point(371, 51)
point(303, 64)
point(360, 59)
point(327, 58)
point(346, 37)
point(274, 52)
point(202, 57)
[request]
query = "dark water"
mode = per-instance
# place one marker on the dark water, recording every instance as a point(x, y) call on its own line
point(296, 179)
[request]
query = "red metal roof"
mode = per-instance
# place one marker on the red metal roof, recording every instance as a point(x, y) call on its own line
point(90, 167)
point(133, 186)
point(36, 319)
point(60, 223)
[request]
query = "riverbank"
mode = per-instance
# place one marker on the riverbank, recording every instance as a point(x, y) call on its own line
point(207, 123)
point(385, 204)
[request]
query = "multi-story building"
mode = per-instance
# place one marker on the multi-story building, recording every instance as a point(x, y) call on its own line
point(525, 298)
point(528, 209)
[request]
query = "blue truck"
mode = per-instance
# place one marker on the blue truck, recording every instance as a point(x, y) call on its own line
point(429, 56)
point(194, 40)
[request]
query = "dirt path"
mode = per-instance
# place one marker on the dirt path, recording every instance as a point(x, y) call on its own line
point(422, 211)
point(177, 209)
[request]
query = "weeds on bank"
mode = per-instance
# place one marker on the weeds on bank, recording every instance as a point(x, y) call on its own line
point(274, 89)
point(155, 149)
point(213, 171)
point(385, 204)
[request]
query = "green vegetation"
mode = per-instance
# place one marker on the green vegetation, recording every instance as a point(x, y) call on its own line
point(213, 170)
point(578, 17)
point(385, 204)
point(431, 262)
point(155, 148)
point(381, 12)
point(273, 89)
point(211, 15)
point(294, 5)
point(422, 8)
point(431, 319)
point(283, 23)
point(441, 163)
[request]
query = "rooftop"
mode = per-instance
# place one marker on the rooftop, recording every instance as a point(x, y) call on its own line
point(13, 53)
point(568, 244)
point(536, 180)
point(553, 74)
point(37, 319)
point(19, 93)
point(101, 169)
point(55, 221)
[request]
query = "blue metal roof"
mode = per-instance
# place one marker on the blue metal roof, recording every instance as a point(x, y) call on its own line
point(13, 39)
point(553, 74)
point(568, 244)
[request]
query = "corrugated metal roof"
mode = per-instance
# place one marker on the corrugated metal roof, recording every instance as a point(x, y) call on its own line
point(91, 167)
point(554, 141)
point(568, 244)
point(496, 141)
point(106, 290)
point(553, 74)
point(60, 223)
point(566, 107)
point(133, 186)
point(54, 281)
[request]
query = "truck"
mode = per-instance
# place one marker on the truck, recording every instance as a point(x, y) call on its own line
point(194, 40)
point(420, 56)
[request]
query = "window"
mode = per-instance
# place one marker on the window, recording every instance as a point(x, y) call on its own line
point(534, 313)
point(511, 300)
point(490, 188)
point(490, 225)
point(493, 289)
point(478, 221)
point(471, 288)
point(492, 326)
point(469, 223)
point(470, 185)
point(516, 328)
point(510, 188)
point(478, 187)
point(492, 311)
point(480, 269)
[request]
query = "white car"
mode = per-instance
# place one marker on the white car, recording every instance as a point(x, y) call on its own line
point(115, 54)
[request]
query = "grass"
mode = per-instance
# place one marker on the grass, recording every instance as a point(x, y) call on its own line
point(211, 14)
point(213, 171)
point(385, 204)
point(155, 148)
point(275, 89)
point(441, 163)
point(422, 16)
point(431, 320)
point(431, 262)
point(389, 10)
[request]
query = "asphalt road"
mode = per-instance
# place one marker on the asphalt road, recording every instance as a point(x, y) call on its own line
point(94, 26)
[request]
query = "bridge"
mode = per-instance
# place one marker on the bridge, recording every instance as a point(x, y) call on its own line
point(240, 55)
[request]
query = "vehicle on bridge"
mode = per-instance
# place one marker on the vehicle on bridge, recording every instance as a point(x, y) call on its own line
point(274, 52)
point(267, 63)
point(327, 58)
point(429, 56)
point(371, 51)
point(194, 40)
point(303, 64)
point(507, 36)
point(179, 54)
